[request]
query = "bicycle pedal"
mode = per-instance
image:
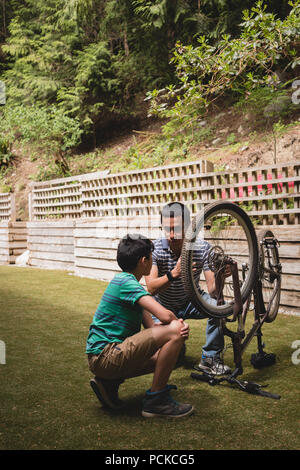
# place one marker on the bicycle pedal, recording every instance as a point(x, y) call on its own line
point(260, 360)
point(252, 387)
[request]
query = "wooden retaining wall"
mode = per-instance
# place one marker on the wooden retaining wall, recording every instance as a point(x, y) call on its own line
point(13, 241)
point(51, 244)
point(96, 242)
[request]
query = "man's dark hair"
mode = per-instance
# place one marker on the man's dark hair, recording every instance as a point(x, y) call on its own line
point(176, 209)
point(131, 249)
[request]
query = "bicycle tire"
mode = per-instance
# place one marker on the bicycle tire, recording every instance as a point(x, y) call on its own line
point(205, 217)
point(269, 285)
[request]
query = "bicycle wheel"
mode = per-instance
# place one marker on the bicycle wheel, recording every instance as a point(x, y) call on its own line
point(225, 229)
point(269, 272)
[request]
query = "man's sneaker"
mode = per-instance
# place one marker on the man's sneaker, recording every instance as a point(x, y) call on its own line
point(161, 404)
point(213, 365)
point(107, 392)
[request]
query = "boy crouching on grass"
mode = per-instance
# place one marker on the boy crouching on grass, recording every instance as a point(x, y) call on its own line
point(118, 350)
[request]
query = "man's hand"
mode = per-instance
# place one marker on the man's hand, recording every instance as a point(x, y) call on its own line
point(176, 272)
point(227, 272)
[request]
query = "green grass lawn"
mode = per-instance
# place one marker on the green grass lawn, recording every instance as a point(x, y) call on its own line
point(46, 401)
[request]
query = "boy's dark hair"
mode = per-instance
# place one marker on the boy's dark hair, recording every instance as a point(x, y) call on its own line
point(176, 209)
point(131, 249)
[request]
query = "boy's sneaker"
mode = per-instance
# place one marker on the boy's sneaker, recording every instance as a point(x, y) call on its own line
point(213, 365)
point(161, 404)
point(107, 392)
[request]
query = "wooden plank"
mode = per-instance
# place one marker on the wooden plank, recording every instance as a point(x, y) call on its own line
point(100, 274)
point(18, 238)
point(291, 282)
point(4, 244)
point(282, 233)
point(52, 248)
point(51, 231)
point(99, 254)
point(18, 225)
point(4, 237)
point(115, 233)
point(290, 298)
point(51, 224)
point(40, 263)
point(290, 266)
point(102, 243)
point(51, 256)
point(289, 250)
point(72, 179)
point(17, 244)
point(119, 221)
point(96, 263)
point(18, 251)
point(237, 247)
point(60, 240)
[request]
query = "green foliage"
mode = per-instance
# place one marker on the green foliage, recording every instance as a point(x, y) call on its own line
point(47, 125)
point(5, 151)
point(232, 67)
point(94, 60)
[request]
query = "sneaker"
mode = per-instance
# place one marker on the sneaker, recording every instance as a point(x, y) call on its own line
point(213, 365)
point(161, 404)
point(107, 392)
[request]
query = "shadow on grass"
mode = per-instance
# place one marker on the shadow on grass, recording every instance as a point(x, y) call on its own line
point(272, 379)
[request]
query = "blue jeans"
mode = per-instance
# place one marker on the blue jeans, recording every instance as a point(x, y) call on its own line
point(214, 335)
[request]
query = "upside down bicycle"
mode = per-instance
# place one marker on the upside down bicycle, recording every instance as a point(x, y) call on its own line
point(255, 280)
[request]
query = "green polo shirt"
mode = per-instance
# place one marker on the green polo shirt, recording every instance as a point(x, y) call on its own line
point(118, 315)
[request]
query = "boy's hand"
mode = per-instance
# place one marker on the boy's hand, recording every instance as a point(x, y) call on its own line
point(185, 330)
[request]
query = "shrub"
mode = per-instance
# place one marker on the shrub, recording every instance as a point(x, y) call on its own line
point(234, 67)
point(5, 151)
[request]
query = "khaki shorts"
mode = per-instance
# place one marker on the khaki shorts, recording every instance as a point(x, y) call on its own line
point(131, 358)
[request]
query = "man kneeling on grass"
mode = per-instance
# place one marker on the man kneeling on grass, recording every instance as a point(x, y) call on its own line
point(117, 349)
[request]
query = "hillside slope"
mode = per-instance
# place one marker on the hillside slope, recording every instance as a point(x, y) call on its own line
point(228, 139)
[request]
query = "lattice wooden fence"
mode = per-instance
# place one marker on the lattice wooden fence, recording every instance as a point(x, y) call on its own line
point(270, 194)
point(7, 207)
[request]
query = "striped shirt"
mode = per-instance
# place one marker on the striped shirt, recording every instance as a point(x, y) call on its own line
point(118, 315)
point(174, 297)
